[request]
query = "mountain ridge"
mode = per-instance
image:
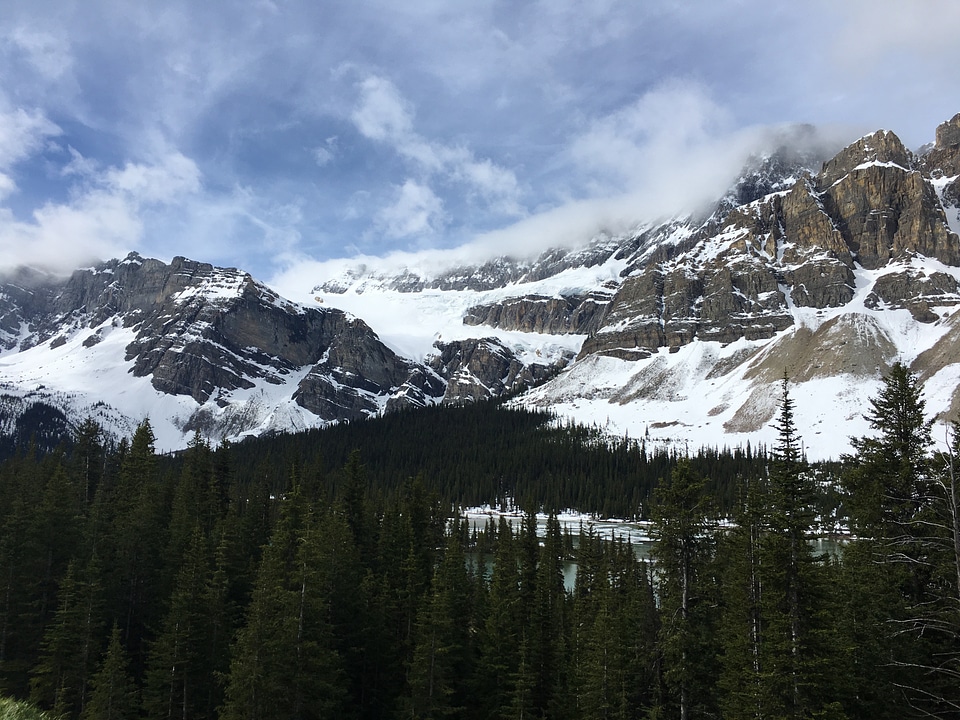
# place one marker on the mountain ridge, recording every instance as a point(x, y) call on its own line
point(673, 332)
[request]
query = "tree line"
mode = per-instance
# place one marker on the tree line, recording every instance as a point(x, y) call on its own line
point(254, 581)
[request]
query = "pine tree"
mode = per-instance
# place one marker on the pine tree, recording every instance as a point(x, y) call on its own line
point(550, 629)
point(178, 676)
point(683, 551)
point(499, 632)
point(890, 469)
point(439, 671)
point(941, 609)
point(132, 555)
point(193, 502)
point(775, 622)
point(589, 590)
point(794, 650)
point(615, 677)
point(542, 682)
point(16, 636)
point(53, 536)
point(88, 458)
point(743, 623)
point(222, 616)
point(284, 663)
point(265, 649)
point(889, 484)
point(527, 699)
point(114, 694)
point(62, 676)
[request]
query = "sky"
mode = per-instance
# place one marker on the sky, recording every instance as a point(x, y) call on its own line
point(277, 135)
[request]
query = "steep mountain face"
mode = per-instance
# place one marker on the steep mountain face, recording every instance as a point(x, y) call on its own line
point(828, 271)
point(867, 208)
point(828, 268)
point(212, 337)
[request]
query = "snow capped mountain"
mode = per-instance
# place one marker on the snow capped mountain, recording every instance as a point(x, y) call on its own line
point(829, 272)
point(678, 332)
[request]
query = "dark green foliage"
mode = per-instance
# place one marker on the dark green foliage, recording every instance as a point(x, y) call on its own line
point(327, 575)
point(903, 503)
point(286, 660)
point(779, 646)
point(683, 554)
point(499, 632)
point(484, 452)
point(888, 480)
point(71, 643)
point(114, 695)
point(38, 430)
point(178, 680)
point(440, 669)
point(615, 631)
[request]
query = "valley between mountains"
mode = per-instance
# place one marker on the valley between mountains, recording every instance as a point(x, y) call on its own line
point(828, 269)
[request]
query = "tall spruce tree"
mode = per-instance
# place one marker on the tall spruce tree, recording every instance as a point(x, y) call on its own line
point(179, 676)
point(132, 555)
point(540, 684)
point(440, 670)
point(683, 550)
point(777, 660)
point(71, 643)
point(795, 648)
point(888, 481)
point(284, 663)
point(114, 695)
point(499, 632)
point(617, 647)
point(941, 607)
point(742, 624)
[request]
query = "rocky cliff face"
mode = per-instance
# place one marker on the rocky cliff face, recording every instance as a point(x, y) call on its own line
point(205, 332)
point(825, 267)
point(942, 164)
point(485, 368)
point(571, 314)
point(871, 205)
point(828, 268)
point(781, 238)
point(209, 333)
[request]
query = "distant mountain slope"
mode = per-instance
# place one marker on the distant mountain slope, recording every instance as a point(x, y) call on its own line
point(196, 347)
point(826, 269)
point(828, 273)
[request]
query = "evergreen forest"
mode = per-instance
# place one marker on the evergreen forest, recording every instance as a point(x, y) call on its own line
point(329, 574)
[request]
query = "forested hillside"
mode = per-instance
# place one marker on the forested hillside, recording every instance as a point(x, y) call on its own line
point(487, 453)
point(328, 575)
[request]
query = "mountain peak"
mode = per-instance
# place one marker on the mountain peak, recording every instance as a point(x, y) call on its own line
point(677, 331)
point(948, 134)
point(943, 159)
point(882, 147)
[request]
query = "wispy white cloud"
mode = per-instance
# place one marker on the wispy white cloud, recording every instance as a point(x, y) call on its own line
point(203, 129)
point(415, 212)
point(384, 115)
point(672, 151)
point(324, 154)
point(672, 128)
point(46, 52)
point(171, 177)
point(22, 134)
point(103, 217)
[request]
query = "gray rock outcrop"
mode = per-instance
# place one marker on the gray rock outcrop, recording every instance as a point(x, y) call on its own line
point(480, 369)
point(873, 204)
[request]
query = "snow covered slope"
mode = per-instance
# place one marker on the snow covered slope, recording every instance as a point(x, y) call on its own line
point(678, 332)
point(829, 277)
